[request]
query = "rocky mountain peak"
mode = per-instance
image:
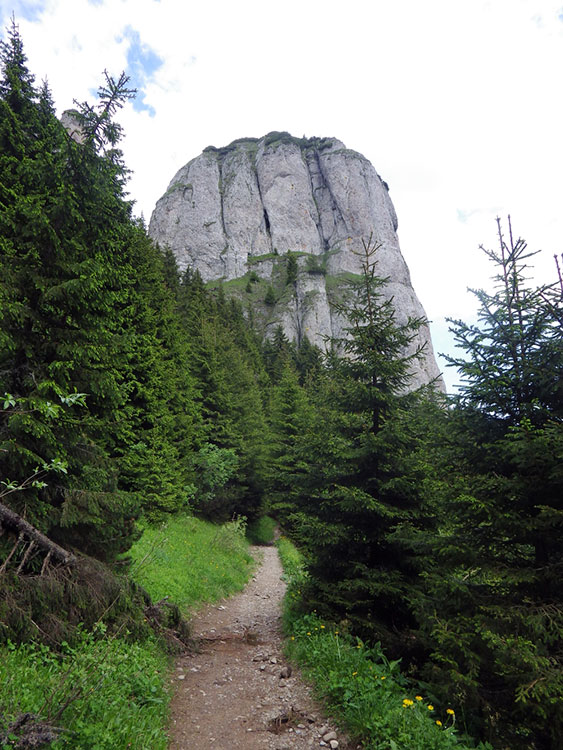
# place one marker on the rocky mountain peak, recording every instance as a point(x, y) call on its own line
point(239, 212)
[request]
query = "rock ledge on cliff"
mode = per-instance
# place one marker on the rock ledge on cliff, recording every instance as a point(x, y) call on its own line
point(237, 214)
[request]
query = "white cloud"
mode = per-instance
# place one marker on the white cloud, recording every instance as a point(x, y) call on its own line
point(457, 104)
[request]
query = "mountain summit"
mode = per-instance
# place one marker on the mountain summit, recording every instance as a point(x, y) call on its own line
point(279, 220)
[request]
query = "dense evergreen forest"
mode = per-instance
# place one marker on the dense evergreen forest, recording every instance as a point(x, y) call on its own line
point(130, 391)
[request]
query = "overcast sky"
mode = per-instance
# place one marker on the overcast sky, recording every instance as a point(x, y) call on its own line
point(457, 103)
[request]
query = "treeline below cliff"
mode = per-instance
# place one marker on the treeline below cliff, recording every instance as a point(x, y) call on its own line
point(131, 393)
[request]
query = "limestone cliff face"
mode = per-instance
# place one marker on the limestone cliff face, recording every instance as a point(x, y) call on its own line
point(235, 214)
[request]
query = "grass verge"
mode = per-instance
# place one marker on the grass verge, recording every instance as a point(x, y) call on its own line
point(191, 561)
point(105, 693)
point(108, 692)
point(364, 691)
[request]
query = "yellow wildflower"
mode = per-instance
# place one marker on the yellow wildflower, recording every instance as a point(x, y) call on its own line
point(418, 697)
point(407, 702)
point(322, 627)
point(439, 723)
point(354, 674)
point(450, 711)
point(430, 708)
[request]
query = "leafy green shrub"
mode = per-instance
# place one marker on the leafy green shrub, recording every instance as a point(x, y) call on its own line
point(214, 468)
point(316, 265)
point(261, 531)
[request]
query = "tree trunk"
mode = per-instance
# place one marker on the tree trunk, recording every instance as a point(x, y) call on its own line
point(13, 522)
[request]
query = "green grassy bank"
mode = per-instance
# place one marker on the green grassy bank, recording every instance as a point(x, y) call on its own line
point(109, 692)
point(365, 692)
point(191, 561)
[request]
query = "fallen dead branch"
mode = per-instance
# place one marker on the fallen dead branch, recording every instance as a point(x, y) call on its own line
point(29, 731)
point(14, 523)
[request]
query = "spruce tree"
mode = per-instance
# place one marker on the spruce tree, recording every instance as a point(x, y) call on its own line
point(225, 361)
point(493, 617)
point(289, 415)
point(85, 311)
point(359, 481)
point(308, 360)
point(292, 268)
point(277, 352)
point(512, 363)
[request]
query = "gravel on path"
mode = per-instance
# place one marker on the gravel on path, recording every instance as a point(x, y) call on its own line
point(237, 692)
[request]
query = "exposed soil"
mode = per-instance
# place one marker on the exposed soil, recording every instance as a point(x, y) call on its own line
point(235, 693)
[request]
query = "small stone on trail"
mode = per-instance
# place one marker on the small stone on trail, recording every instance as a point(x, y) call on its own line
point(329, 736)
point(222, 688)
point(333, 745)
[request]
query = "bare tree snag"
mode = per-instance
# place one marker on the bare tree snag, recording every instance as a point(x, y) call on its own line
point(11, 521)
point(30, 546)
point(12, 552)
point(45, 562)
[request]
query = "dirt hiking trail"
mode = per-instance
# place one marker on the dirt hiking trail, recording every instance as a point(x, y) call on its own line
point(238, 692)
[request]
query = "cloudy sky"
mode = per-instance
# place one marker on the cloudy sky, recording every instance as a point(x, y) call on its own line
point(457, 103)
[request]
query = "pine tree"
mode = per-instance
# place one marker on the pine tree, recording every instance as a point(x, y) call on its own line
point(85, 311)
point(289, 415)
point(270, 297)
point(493, 618)
point(308, 360)
point(226, 363)
point(292, 268)
point(277, 352)
point(361, 482)
point(512, 366)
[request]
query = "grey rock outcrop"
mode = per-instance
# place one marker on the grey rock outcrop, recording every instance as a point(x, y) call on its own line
point(235, 213)
point(71, 122)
